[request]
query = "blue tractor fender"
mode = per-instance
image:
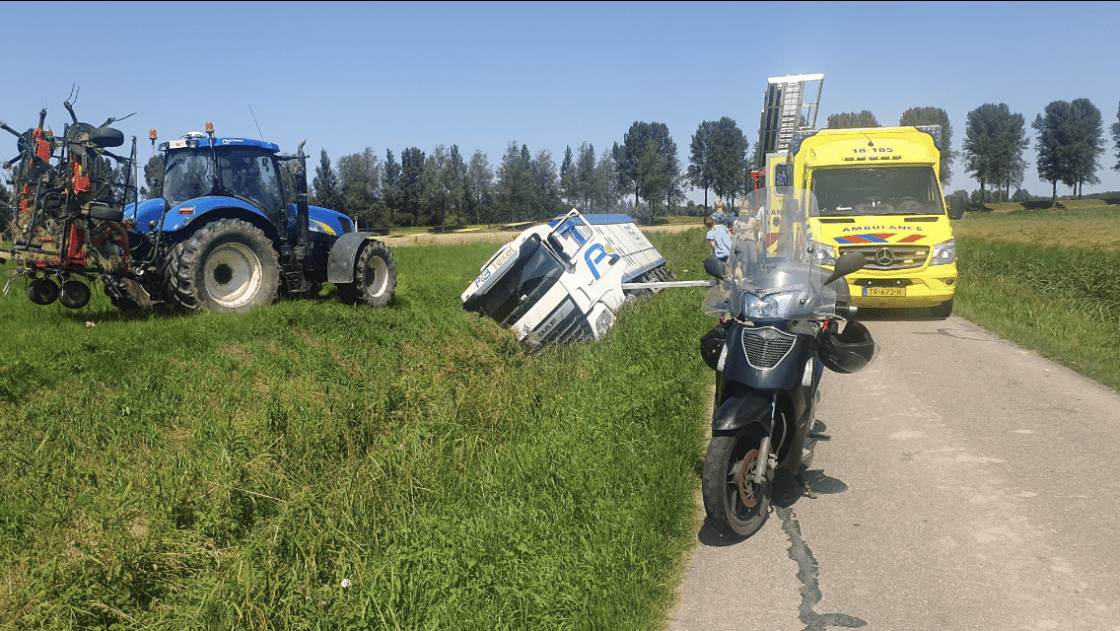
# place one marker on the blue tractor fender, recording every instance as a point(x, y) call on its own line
point(344, 255)
point(196, 211)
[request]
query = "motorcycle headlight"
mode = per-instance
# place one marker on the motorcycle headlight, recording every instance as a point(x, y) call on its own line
point(765, 307)
point(823, 254)
point(944, 253)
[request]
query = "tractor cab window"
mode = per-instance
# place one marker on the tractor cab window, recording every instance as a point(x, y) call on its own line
point(189, 174)
point(251, 175)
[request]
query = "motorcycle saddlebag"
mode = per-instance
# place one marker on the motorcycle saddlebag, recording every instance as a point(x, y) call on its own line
point(850, 351)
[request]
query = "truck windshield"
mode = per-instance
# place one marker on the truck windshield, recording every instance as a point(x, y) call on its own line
point(899, 190)
point(246, 173)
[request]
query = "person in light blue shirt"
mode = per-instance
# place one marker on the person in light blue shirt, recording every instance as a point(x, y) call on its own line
point(719, 239)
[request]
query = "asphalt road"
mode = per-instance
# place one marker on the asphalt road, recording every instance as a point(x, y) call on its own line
point(969, 484)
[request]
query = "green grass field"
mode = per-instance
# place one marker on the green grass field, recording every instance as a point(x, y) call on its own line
point(313, 465)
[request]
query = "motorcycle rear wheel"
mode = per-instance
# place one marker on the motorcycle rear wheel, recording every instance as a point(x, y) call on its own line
point(737, 507)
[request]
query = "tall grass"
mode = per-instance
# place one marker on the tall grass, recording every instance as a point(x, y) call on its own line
point(313, 465)
point(1063, 302)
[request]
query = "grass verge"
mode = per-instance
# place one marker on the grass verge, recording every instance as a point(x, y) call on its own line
point(313, 465)
point(1062, 302)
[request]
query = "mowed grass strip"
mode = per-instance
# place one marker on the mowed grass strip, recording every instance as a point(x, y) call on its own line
point(1095, 228)
point(314, 465)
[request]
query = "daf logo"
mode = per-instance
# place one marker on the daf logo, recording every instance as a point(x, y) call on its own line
point(884, 257)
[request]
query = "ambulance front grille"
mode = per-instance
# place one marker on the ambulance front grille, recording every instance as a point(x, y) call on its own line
point(891, 257)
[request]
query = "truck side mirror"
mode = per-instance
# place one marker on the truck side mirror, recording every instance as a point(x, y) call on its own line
point(956, 207)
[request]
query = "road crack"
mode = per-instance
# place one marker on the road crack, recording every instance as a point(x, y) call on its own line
point(807, 570)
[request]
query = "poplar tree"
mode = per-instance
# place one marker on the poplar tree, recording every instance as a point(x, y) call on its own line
point(153, 176)
point(326, 183)
point(480, 187)
point(852, 120)
point(993, 146)
point(935, 116)
point(646, 162)
point(409, 184)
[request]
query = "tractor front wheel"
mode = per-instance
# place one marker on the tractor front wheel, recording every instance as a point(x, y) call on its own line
point(375, 277)
point(227, 266)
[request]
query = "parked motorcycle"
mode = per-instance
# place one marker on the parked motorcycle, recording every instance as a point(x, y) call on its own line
point(780, 326)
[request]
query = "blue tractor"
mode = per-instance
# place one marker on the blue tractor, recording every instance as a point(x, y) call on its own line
point(233, 231)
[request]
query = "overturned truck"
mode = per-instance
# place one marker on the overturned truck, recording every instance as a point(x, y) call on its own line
point(564, 281)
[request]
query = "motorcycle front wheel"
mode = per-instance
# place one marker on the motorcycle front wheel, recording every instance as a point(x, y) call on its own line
point(736, 505)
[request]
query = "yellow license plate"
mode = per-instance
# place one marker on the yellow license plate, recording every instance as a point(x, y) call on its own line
point(884, 292)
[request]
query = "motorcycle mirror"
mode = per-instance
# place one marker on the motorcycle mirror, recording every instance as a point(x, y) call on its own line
point(846, 264)
point(713, 267)
point(956, 207)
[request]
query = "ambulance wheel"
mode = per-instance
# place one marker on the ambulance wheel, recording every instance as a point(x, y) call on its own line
point(943, 310)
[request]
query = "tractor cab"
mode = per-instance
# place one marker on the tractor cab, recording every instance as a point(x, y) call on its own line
point(197, 166)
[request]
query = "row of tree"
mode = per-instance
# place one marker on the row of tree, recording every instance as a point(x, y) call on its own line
point(443, 188)
point(1069, 136)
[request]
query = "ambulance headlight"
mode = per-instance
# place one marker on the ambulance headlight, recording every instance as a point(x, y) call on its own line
point(822, 254)
point(944, 253)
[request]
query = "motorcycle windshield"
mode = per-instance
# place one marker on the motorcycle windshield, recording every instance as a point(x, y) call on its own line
point(769, 274)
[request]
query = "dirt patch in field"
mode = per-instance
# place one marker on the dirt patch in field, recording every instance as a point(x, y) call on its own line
point(492, 236)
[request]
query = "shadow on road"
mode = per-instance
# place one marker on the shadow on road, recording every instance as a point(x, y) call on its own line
point(787, 492)
point(867, 314)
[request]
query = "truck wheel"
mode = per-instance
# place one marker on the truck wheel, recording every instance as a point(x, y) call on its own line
point(375, 276)
point(943, 310)
point(227, 266)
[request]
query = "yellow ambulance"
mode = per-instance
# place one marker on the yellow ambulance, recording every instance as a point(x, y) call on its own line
point(877, 191)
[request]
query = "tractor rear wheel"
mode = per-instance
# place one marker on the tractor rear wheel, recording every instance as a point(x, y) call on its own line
point(226, 266)
point(375, 277)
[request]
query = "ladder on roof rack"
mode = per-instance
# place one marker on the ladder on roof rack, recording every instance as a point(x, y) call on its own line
point(785, 110)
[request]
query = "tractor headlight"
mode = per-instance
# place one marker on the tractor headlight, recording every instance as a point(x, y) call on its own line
point(944, 253)
point(822, 254)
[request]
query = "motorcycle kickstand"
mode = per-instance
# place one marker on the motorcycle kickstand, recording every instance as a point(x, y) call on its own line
point(805, 486)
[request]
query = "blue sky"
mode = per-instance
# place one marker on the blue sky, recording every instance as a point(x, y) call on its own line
point(346, 76)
